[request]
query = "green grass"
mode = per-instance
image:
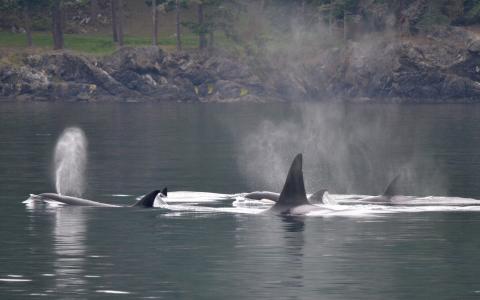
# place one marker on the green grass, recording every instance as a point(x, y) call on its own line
point(90, 44)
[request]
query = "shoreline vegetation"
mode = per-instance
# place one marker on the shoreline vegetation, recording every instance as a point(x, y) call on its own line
point(90, 45)
point(415, 51)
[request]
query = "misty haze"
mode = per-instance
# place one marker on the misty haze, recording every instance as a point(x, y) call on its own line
point(227, 149)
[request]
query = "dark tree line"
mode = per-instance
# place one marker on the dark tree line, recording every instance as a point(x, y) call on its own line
point(213, 16)
point(56, 11)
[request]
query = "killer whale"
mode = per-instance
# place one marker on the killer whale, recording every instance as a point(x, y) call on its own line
point(389, 197)
point(146, 201)
point(386, 198)
point(293, 198)
point(316, 197)
point(392, 197)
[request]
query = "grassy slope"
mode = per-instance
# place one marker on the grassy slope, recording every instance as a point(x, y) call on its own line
point(137, 30)
point(91, 44)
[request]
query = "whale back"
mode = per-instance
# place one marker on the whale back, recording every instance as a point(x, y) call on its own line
point(73, 200)
point(260, 195)
point(293, 192)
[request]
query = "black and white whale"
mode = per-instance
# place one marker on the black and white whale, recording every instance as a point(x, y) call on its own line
point(388, 197)
point(146, 201)
point(316, 197)
point(293, 198)
point(393, 197)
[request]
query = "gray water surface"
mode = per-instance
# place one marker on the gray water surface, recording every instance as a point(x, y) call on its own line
point(89, 253)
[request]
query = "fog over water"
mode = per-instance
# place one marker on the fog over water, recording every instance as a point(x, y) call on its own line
point(347, 149)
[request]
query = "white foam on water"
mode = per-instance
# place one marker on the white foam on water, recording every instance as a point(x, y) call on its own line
point(241, 201)
point(341, 211)
point(379, 210)
point(357, 209)
point(181, 209)
point(15, 276)
point(31, 203)
point(14, 280)
point(195, 197)
point(113, 292)
point(411, 200)
point(241, 210)
point(328, 199)
point(189, 202)
point(337, 197)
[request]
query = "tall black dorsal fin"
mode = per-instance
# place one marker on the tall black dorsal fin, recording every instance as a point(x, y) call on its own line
point(293, 192)
point(392, 189)
point(148, 199)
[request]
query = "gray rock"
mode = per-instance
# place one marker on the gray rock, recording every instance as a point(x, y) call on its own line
point(474, 46)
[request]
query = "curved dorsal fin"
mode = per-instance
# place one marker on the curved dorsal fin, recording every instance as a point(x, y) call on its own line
point(293, 192)
point(148, 199)
point(392, 189)
point(317, 197)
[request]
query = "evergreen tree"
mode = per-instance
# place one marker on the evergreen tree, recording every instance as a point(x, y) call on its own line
point(214, 15)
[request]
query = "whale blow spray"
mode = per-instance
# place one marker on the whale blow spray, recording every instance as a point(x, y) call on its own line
point(70, 161)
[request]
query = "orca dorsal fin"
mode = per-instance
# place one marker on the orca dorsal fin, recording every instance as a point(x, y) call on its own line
point(148, 199)
point(293, 192)
point(392, 189)
point(165, 191)
point(317, 197)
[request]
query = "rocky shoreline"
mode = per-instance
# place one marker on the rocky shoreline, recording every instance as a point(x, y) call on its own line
point(441, 67)
point(130, 75)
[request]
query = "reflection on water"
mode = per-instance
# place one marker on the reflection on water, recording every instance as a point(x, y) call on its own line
point(294, 244)
point(68, 230)
point(235, 253)
point(293, 223)
point(70, 250)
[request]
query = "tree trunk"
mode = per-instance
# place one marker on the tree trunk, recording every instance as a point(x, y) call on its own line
point(28, 29)
point(113, 6)
point(212, 40)
point(57, 26)
point(93, 11)
point(201, 27)
point(120, 23)
point(177, 13)
point(154, 23)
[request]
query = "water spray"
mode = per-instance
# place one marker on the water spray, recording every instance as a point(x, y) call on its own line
point(70, 161)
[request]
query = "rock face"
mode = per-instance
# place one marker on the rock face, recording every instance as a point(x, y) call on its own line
point(443, 66)
point(131, 74)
